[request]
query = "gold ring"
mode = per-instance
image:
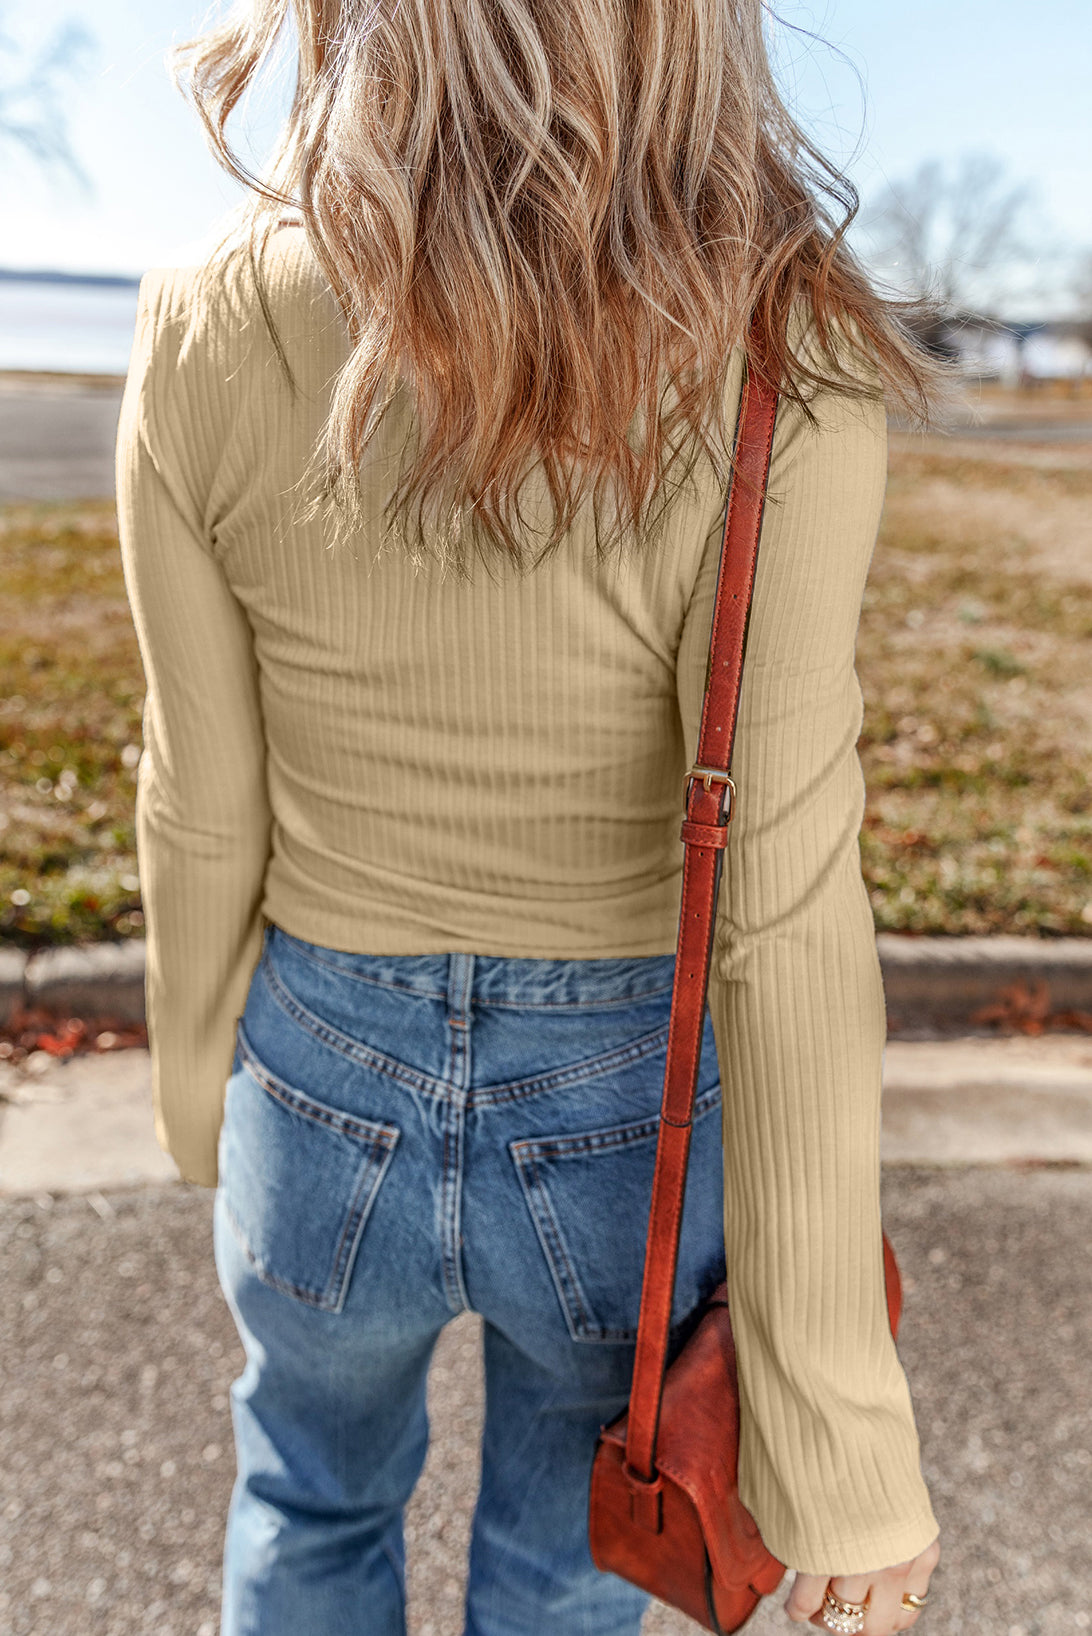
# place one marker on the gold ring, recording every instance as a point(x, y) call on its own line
point(913, 1602)
point(844, 1617)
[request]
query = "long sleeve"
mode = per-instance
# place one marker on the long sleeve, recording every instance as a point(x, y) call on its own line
point(829, 1456)
point(202, 813)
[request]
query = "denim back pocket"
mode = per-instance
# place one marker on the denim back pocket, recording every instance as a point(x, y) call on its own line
point(589, 1197)
point(297, 1180)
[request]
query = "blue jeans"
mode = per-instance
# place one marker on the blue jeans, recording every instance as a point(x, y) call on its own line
point(409, 1137)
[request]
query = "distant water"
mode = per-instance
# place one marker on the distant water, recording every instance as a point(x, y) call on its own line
point(82, 328)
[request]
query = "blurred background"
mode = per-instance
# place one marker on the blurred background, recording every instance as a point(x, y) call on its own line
point(967, 136)
point(966, 127)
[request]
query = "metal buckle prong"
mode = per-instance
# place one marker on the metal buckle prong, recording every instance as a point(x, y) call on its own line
point(707, 775)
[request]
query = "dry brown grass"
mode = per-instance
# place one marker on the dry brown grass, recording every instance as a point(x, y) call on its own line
point(975, 655)
point(71, 694)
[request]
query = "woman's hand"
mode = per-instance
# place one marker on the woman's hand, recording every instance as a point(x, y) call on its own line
point(883, 1588)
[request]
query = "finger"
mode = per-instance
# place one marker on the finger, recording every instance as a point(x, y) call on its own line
point(906, 1618)
point(848, 1587)
point(865, 1588)
point(919, 1585)
point(884, 1606)
point(852, 1587)
point(917, 1581)
point(806, 1596)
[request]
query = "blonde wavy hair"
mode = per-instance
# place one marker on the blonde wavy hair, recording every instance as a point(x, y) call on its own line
point(555, 217)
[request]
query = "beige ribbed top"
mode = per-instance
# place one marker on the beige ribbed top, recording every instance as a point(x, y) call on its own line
point(304, 704)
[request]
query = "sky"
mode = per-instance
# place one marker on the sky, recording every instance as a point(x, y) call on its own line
point(881, 90)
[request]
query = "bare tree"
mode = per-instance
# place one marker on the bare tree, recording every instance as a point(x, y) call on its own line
point(961, 237)
point(32, 116)
point(1081, 289)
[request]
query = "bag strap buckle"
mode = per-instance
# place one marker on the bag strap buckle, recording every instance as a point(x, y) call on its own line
point(707, 776)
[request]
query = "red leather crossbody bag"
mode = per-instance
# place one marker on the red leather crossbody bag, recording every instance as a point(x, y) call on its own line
point(665, 1511)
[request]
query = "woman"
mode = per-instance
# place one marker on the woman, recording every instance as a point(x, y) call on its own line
point(408, 814)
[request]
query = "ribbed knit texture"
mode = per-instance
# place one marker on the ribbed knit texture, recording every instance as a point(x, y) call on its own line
point(384, 761)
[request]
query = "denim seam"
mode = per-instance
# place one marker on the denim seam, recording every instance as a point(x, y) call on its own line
point(526, 1153)
point(604, 1004)
point(378, 1143)
point(611, 1136)
point(588, 1068)
point(453, 1115)
point(283, 1285)
point(496, 1095)
point(573, 1302)
point(367, 1130)
point(367, 1191)
point(344, 1044)
point(332, 1298)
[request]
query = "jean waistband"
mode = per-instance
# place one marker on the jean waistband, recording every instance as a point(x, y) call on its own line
point(514, 980)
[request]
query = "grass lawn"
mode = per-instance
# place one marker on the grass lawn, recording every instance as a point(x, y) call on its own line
point(71, 695)
point(975, 656)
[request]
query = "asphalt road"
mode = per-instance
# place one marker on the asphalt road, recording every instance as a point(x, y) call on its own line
point(116, 1352)
point(57, 439)
point(57, 436)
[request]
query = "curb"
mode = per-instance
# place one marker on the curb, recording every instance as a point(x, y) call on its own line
point(942, 982)
point(931, 983)
point(89, 980)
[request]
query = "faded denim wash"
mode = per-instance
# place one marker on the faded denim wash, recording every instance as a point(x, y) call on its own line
point(409, 1137)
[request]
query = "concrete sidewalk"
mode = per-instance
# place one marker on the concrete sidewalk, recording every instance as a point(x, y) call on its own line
point(84, 1123)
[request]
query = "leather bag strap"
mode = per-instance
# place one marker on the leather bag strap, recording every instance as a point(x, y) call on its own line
point(710, 797)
